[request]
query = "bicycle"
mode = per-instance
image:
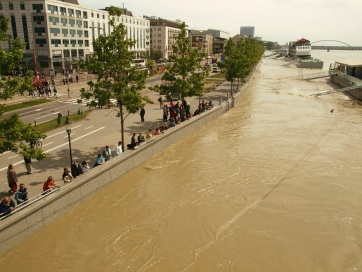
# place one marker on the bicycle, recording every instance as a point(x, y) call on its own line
point(37, 144)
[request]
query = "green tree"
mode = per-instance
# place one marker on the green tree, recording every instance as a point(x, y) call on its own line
point(155, 54)
point(117, 78)
point(182, 78)
point(15, 136)
point(240, 60)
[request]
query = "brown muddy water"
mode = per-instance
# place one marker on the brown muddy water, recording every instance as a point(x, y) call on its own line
point(272, 185)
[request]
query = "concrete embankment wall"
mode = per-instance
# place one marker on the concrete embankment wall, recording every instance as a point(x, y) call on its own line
point(17, 227)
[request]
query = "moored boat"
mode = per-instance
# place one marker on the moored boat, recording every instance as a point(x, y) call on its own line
point(348, 74)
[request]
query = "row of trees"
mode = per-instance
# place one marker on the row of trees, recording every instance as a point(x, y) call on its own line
point(240, 60)
point(14, 134)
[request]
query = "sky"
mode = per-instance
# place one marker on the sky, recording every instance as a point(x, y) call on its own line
point(279, 21)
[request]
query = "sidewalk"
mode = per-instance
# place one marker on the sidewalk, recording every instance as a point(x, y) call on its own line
point(109, 135)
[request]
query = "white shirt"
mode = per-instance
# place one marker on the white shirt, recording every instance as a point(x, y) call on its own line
point(118, 149)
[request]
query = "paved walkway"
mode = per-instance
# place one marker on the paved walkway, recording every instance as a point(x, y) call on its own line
point(88, 149)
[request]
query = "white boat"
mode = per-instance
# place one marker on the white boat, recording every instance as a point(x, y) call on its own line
point(301, 48)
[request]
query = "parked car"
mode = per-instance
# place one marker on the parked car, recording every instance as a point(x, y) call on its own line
point(215, 70)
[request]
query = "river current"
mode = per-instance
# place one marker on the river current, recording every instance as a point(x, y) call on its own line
point(272, 185)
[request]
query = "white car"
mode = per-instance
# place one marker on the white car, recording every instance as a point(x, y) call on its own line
point(215, 70)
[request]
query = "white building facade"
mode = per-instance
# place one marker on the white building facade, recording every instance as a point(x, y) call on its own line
point(59, 33)
point(163, 33)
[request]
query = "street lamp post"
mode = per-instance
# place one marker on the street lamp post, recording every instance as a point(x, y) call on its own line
point(69, 131)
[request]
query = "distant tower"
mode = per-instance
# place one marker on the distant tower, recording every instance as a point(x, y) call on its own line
point(247, 30)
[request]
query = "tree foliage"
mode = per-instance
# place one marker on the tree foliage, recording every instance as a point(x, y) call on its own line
point(117, 78)
point(182, 78)
point(240, 59)
point(15, 136)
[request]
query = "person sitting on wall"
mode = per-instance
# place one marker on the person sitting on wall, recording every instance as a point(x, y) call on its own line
point(99, 160)
point(7, 205)
point(149, 134)
point(140, 138)
point(49, 184)
point(171, 123)
point(22, 194)
point(67, 176)
point(133, 143)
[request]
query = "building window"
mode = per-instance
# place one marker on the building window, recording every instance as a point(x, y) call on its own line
point(38, 7)
point(53, 9)
point(72, 32)
point(41, 42)
point(86, 43)
point(97, 15)
point(54, 20)
point(71, 12)
point(55, 31)
point(1, 6)
point(85, 24)
point(85, 15)
point(86, 34)
point(66, 42)
point(63, 11)
point(104, 17)
point(25, 30)
point(79, 23)
point(13, 26)
point(56, 42)
point(65, 33)
point(39, 30)
point(92, 14)
point(22, 6)
point(64, 21)
point(78, 13)
point(80, 42)
point(80, 33)
point(11, 6)
point(72, 22)
point(73, 42)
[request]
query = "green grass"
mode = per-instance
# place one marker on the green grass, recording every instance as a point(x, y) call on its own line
point(25, 104)
point(53, 124)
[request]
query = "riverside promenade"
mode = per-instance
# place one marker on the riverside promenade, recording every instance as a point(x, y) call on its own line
point(87, 149)
point(35, 216)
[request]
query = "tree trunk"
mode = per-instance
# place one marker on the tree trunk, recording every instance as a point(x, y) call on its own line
point(122, 125)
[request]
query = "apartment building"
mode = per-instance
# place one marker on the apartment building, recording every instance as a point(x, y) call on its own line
point(202, 39)
point(163, 33)
point(59, 33)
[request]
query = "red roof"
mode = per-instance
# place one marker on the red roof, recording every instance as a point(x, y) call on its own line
point(302, 41)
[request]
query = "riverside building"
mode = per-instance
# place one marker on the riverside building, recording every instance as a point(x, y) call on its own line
point(163, 33)
point(58, 33)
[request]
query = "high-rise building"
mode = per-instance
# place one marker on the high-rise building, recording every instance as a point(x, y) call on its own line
point(163, 33)
point(203, 40)
point(247, 30)
point(59, 33)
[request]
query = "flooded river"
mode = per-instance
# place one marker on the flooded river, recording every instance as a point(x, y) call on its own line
point(272, 185)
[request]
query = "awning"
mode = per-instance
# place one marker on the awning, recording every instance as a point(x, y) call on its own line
point(81, 58)
point(57, 59)
point(68, 59)
point(27, 59)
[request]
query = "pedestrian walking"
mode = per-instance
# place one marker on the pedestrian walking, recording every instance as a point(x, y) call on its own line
point(142, 114)
point(77, 78)
point(27, 161)
point(161, 101)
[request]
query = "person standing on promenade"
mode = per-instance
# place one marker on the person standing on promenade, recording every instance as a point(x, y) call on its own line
point(12, 179)
point(161, 101)
point(27, 161)
point(142, 114)
point(76, 78)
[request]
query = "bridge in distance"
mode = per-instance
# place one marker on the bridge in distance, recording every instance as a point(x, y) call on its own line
point(343, 46)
